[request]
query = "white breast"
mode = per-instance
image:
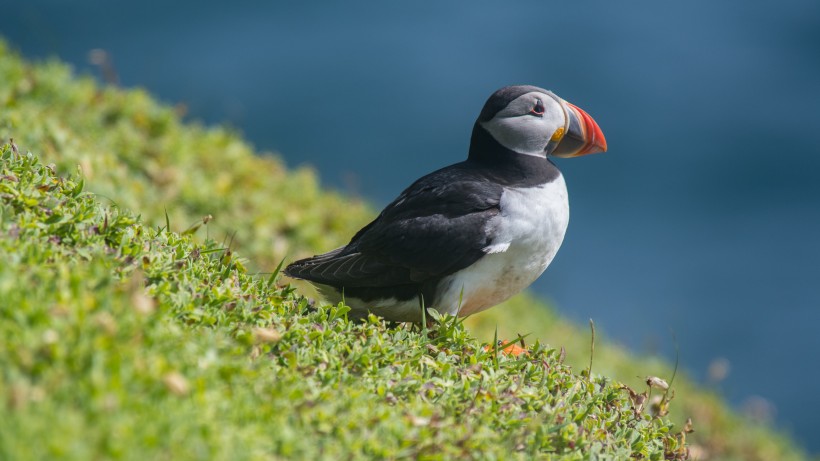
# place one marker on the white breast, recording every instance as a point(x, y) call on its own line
point(527, 234)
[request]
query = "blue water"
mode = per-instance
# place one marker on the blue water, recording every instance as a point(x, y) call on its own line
point(703, 218)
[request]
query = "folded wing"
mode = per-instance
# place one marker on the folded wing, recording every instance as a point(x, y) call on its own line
point(434, 228)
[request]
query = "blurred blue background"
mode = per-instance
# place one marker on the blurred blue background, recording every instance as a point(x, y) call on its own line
point(702, 219)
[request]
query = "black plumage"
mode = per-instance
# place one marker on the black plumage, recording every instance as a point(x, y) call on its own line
point(433, 229)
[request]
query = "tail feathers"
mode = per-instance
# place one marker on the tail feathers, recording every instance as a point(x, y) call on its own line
point(339, 268)
point(335, 268)
point(302, 268)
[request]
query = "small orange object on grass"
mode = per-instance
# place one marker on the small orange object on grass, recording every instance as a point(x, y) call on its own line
point(508, 348)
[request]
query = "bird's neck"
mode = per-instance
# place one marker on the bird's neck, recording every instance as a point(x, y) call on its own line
point(512, 166)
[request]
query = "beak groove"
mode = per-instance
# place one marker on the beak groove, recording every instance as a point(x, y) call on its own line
point(583, 135)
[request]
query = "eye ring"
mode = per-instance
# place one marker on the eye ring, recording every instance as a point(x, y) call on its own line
point(538, 109)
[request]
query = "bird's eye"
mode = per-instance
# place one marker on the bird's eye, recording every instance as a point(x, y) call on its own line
point(538, 109)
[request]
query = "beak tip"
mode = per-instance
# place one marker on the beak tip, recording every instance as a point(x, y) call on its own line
point(599, 145)
point(597, 141)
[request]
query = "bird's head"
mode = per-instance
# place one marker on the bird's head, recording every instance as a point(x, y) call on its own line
point(533, 121)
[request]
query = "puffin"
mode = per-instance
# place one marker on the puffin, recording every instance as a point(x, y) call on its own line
point(468, 236)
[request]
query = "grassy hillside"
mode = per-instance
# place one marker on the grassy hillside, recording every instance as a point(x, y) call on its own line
point(134, 342)
point(210, 361)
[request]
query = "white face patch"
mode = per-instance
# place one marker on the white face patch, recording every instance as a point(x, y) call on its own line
point(518, 129)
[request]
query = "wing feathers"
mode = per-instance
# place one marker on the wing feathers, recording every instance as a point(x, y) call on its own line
point(434, 228)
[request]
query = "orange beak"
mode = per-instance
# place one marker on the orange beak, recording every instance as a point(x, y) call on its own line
point(583, 136)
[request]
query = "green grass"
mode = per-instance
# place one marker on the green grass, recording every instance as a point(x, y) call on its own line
point(125, 336)
point(133, 341)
